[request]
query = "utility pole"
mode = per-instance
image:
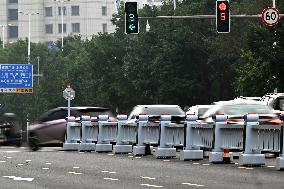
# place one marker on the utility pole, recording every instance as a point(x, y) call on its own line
point(38, 74)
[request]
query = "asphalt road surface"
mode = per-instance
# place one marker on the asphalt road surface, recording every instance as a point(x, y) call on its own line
point(54, 168)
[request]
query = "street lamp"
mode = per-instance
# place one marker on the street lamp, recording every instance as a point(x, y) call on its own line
point(3, 33)
point(29, 39)
point(61, 8)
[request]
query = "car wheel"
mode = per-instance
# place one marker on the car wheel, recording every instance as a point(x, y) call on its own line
point(34, 143)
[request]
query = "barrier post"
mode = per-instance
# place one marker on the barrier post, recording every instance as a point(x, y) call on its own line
point(250, 155)
point(139, 149)
point(86, 144)
point(190, 152)
point(280, 159)
point(217, 154)
point(163, 149)
point(72, 134)
point(121, 146)
point(103, 145)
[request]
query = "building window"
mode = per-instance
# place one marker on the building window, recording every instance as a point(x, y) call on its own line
point(13, 1)
point(104, 28)
point(76, 27)
point(75, 11)
point(13, 31)
point(104, 10)
point(49, 28)
point(48, 11)
point(64, 11)
point(13, 14)
point(60, 28)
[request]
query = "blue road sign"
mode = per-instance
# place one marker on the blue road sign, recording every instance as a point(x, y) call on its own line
point(16, 78)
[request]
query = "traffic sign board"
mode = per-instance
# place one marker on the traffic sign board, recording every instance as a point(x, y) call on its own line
point(69, 93)
point(270, 16)
point(16, 78)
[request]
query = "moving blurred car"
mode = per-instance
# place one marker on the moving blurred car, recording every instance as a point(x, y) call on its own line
point(275, 100)
point(50, 130)
point(155, 110)
point(199, 110)
point(235, 109)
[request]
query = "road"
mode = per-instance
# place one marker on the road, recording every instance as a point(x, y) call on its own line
point(54, 168)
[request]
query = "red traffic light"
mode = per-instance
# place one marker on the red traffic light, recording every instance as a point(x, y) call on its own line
point(222, 6)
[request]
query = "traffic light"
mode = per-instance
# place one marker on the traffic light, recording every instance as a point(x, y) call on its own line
point(131, 18)
point(222, 16)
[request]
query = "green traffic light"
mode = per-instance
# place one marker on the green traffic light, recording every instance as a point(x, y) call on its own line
point(131, 17)
point(131, 27)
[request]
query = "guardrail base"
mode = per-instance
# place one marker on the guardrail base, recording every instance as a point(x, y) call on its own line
point(87, 147)
point(138, 150)
point(280, 163)
point(119, 149)
point(104, 148)
point(71, 146)
point(252, 159)
point(165, 152)
point(218, 157)
point(191, 155)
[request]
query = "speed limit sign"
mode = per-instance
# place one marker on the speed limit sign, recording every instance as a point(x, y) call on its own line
point(270, 16)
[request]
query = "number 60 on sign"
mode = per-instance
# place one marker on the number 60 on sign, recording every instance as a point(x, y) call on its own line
point(270, 16)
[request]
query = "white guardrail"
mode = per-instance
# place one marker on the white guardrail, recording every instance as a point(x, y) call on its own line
point(168, 132)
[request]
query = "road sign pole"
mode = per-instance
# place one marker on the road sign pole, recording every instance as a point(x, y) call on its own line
point(69, 102)
point(273, 3)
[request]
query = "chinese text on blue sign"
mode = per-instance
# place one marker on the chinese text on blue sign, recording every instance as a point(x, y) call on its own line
point(16, 78)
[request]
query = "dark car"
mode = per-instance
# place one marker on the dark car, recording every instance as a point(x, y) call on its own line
point(50, 130)
point(10, 132)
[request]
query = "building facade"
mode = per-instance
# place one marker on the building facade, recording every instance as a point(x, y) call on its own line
point(80, 17)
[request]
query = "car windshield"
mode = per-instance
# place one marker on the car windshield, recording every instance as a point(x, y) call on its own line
point(241, 109)
point(156, 110)
point(201, 111)
point(97, 113)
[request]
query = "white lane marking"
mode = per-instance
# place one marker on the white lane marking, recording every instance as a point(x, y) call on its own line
point(110, 154)
point(138, 157)
point(166, 160)
point(192, 184)
point(81, 152)
point(19, 178)
point(241, 167)
point(150, 178)
point(205, 164)
point(20, 164)
point(48, 163)
point(2, 161)
point(130, 156)
point(9, 157)
point(104, 171)
point(270, 166)
point(196, 163)
point(129, 153)
point(45, 168)
point(112, 172)
point(75, 173)
point(76, 167)
point(28, 160)
point(11, 151)
point(151, 185)
point(249, 168)
point(109, 178)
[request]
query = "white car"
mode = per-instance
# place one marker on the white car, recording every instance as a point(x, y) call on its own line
point(198, 110)
point(155, 110)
